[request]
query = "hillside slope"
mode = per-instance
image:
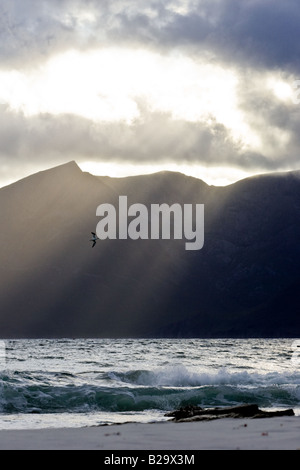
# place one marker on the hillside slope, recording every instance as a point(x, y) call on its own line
point(244, 282)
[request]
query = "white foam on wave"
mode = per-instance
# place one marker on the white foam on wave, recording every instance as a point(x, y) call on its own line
point(181, 376)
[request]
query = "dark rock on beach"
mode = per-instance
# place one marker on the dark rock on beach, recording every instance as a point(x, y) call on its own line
point(195, 413)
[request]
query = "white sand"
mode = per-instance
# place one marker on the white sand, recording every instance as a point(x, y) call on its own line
point(244, 434)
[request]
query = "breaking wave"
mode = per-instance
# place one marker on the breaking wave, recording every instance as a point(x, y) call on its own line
point(180, 376)
point(163, 389)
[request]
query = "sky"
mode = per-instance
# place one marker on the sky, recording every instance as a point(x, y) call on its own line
point(205, 87)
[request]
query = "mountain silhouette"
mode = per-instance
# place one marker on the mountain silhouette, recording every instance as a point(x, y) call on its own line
point(244, 282)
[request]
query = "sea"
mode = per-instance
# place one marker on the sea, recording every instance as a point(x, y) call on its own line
point(54, 383)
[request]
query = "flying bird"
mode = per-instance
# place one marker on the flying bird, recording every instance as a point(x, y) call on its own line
point(94, 239)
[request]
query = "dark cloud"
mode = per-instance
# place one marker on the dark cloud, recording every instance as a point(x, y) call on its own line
point(257, 33)
point(262, 32)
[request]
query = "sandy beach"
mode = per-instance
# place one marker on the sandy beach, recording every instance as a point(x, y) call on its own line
point(280, 433)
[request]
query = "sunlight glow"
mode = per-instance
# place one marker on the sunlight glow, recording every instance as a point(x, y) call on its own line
point(217, 176)
point(109, 84)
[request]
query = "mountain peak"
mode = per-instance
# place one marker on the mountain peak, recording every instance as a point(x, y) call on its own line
point(69, 166)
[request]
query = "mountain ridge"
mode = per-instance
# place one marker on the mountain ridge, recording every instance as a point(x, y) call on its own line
point(54, 284)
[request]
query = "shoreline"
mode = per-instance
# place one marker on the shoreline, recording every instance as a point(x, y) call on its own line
point(276, 433)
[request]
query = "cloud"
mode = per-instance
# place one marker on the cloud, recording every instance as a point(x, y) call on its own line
point(256, 33)
point(153, 137)
point(260, 32)
point(31, 31)
point(254, 39)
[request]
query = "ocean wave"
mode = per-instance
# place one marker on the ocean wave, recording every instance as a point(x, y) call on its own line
point(163, 389)
point(180, 376)
point(85, 399)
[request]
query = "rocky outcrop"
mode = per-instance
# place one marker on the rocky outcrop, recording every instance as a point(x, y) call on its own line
point(195, 413)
